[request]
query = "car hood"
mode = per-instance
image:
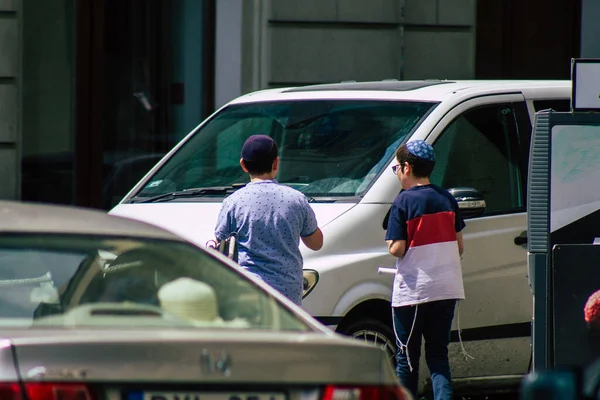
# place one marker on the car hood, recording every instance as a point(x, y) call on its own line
point(196, 221)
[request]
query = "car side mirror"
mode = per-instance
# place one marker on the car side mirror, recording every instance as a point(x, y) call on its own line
point(470, 201)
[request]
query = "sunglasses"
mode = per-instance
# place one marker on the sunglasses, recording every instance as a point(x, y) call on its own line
point(395, 168)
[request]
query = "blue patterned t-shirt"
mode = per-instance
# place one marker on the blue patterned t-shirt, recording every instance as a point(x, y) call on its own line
point(269, 219)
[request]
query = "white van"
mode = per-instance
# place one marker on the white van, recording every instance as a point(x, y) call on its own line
point(337, 143)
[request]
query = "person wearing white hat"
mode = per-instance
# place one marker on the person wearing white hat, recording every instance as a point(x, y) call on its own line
point(189, 299)
point(195, 302)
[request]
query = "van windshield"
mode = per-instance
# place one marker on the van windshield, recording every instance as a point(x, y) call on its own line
point(327, 148)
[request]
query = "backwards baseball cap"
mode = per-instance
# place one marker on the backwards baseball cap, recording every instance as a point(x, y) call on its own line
point(257, 148)
point(421, 149)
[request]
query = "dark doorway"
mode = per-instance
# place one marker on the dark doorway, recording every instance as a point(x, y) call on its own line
point(145, 73)
point(532, 39)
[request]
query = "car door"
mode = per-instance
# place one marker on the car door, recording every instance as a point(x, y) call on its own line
point(478, 145)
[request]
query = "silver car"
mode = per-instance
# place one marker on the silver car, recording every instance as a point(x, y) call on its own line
point(98, 307)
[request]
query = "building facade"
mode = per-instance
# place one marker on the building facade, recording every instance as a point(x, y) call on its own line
point(94, 92)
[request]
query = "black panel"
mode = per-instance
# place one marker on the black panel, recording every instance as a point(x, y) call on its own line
point(508, 331)
point(581, 231)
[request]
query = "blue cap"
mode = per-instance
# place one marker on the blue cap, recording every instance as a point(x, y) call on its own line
point(421, 149)
point(257, 148)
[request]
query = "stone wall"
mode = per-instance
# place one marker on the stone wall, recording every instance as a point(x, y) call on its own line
point(290, 42)
point(9, 98)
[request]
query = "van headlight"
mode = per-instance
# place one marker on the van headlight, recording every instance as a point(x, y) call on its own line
point(310, 277)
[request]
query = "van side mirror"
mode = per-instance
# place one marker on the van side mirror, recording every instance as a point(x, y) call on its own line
point(470, 201)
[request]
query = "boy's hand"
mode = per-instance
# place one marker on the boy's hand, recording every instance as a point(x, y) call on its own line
point(397, 248)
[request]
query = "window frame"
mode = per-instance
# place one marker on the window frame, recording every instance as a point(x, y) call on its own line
point(518, 106)
point(524, 132)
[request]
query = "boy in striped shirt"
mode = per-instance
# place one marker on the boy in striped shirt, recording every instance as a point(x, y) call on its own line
point(424, 232)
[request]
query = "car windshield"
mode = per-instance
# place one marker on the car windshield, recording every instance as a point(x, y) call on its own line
point(75, 281)
point(328, 148)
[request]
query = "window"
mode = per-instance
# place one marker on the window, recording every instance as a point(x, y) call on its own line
point(480, 149)
point(560, 105)
point(328, 148)
point(231, 139)
point(50, 280)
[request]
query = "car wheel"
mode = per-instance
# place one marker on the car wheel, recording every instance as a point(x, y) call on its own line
point(371, 330)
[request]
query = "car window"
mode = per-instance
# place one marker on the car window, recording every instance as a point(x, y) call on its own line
point(54, 280)
point(328, 148)
point(480, 150)
point(560, 105)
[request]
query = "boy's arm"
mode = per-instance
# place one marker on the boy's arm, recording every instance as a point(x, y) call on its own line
point(395, 236)
point(314, 241)
point(461, 246)
point(397, 248)
point(459, 225)
point(223, 227)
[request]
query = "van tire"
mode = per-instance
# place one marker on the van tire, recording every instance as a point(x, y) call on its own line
point(373, 331)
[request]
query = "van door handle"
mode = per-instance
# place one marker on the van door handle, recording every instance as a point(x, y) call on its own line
point(521, 239)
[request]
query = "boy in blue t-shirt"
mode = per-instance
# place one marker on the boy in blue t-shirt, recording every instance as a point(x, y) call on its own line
point(424, 232)
point(269, 220)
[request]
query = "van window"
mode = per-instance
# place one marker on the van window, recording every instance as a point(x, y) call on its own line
point(327, 148)
point(560, 105)
point(479, 149)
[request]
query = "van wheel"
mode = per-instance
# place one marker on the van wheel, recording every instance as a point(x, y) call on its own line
point(371, 330)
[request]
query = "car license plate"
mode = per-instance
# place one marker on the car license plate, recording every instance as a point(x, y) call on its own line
point(204, 396)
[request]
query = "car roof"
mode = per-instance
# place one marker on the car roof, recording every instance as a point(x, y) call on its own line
point(416, 90)
point(23, 217)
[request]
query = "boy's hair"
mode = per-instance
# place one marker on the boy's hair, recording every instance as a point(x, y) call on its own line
point(258, 153)
point(264, 166)
point(421, 168)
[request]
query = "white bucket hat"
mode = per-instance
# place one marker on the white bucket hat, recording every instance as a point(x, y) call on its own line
point(189, 299)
